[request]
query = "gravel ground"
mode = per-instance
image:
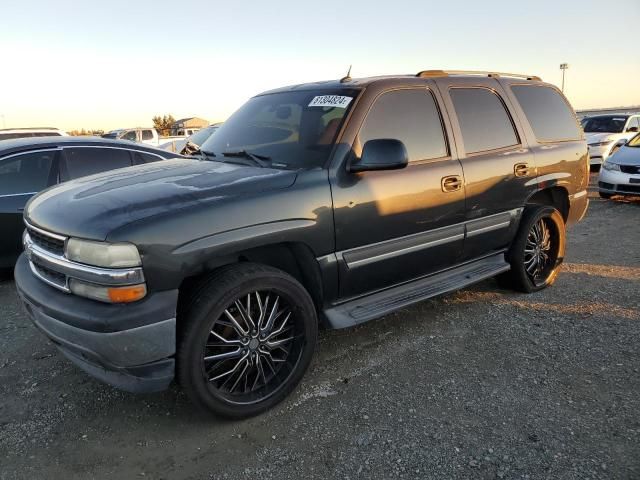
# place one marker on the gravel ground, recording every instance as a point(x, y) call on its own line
point(482, 383)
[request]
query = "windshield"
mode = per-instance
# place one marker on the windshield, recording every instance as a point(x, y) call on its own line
point(607, 124)
point(634, 142)
point(294, 129)
point(201, 135)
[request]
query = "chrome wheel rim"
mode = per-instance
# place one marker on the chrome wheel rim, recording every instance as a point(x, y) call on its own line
point(252, 347)
point(539, 255)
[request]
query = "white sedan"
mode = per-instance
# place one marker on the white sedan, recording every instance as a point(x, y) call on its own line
point(620, 172)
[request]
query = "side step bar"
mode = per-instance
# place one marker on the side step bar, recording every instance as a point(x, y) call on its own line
point(363, 309)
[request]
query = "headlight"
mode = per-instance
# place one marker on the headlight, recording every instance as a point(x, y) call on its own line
point(127, 294)
point(611, 166)
point(101, 254)
point(601, 144)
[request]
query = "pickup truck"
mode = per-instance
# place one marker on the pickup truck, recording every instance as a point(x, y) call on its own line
point(148, 136)
point(329, 203)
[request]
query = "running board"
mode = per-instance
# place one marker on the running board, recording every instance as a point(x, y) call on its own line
point(363, 309)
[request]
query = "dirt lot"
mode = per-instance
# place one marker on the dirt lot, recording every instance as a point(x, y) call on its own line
point(483, 383)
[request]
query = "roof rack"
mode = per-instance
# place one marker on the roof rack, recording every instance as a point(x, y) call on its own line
point(446, 73)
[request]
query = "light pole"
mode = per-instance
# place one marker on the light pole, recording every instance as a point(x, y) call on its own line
point(563, 67)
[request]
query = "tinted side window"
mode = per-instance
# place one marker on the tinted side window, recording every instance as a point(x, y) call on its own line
point(147, 135)
point(410, 116)
point(26, 173)
point(140, 158)
point(483, 119)
point(549, 115)
point(80, 162)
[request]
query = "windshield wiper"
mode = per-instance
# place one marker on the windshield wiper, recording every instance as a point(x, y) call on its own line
point(259, 160)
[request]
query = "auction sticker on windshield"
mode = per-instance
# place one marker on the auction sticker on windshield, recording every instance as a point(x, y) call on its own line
point(338, 101)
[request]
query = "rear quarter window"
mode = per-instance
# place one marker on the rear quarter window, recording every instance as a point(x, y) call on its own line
point(548, 113)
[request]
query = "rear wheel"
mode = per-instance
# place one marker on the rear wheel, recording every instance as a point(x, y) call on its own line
point(249, 337)
point(537, 251)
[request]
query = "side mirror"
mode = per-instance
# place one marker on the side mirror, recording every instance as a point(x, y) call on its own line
point(633, 129)
point(381, 154)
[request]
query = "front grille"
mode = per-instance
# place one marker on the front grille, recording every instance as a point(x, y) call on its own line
point(608, 186)
point(46, 242)
point(629, 188)
point(50, 276)
point(630, 168)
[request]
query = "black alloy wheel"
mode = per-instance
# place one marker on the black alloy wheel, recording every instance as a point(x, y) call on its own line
point(249, 336)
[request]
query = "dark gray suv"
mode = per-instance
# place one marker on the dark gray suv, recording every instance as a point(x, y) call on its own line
point(327, 203)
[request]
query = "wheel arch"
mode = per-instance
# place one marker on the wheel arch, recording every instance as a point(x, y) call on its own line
point(556, 196)
point(294, 258)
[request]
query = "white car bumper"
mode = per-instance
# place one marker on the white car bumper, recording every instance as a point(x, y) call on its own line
point(598, 155)
point(614, 182)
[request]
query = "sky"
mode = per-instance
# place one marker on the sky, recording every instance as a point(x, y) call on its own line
point(105, 65)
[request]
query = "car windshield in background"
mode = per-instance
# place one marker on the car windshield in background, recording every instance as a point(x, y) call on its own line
point(294, 129)
point(608, 124)
point(634, 142)
point(202, 135)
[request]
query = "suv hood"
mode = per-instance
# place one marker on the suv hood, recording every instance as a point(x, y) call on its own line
point(91, 207)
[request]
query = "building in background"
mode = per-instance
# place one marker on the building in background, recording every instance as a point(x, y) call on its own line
point(179, 127)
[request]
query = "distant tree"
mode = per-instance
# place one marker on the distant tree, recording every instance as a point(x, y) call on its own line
point(77, 133)
point(163, 124)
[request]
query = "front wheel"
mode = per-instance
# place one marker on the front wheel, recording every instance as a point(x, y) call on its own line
point(249, 335)
point(537, 251)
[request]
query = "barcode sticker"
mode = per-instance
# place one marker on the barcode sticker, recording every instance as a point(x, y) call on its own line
point(338, 101)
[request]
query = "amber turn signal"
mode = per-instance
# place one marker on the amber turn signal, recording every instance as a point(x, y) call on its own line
point(128, 294)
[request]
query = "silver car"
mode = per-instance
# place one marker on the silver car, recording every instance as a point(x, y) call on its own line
point(620, 173)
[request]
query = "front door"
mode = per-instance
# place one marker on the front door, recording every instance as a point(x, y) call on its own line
point(21, 176)
point(393, 226)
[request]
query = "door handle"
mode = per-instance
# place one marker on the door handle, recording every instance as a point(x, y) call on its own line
point(451, 183)
point(521, 169)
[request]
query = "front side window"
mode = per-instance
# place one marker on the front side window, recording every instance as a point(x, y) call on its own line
point(147, 135)
point(80, 162)
point(549, 115)
point(634, 123)
point(408, 115)
point(25, 173)
point(483, 119)
point(293, 129)
point(605, 124)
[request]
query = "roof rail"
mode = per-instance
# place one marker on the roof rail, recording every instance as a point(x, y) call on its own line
point(446, 73)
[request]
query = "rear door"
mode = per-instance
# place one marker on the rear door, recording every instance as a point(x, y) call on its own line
point(396, 225)
point(21, 176)
point(499, 167)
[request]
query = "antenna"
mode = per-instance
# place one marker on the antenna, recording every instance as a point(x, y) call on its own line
point(347, 77)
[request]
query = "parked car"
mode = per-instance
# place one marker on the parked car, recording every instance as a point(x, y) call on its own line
point(148, 136)
point(605, 133)
point(333, 203)
point(29, 165)
point(12, 133)
point(620, 173)
point(196, 139)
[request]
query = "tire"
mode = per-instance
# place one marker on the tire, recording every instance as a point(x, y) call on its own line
point(546, 265)
point(224, 366)
point(605, 195)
